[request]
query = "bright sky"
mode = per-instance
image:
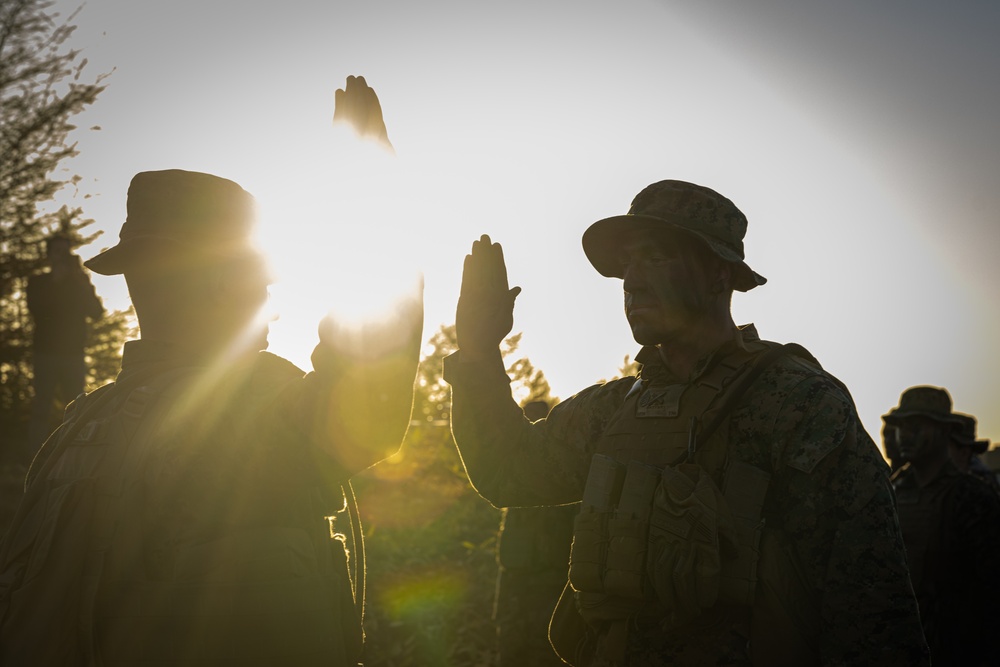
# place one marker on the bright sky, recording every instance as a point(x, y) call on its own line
point(860, 139)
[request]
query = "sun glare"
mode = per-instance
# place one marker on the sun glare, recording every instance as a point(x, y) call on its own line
point(337, 243)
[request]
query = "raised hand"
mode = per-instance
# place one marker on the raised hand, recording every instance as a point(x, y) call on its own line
point(357, 105)
point(485, 313)
point(397, 333)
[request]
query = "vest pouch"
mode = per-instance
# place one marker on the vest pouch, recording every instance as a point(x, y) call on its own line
point(589, 551)
point(744, 488)
point(628, 532)
point(689, 530)
point(588, 554)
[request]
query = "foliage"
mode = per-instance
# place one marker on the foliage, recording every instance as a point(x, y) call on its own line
point(430, 538)
point(41, 89)
point(629, 367)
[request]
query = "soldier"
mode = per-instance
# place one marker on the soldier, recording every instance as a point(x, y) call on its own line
point(180, 515)
point(965, 451)
point(61, 301)
point(532, 552)
point(951, 526)
point(724, 447)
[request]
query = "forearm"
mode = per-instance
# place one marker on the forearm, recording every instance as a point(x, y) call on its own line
point(354, 414)
point(509, 460)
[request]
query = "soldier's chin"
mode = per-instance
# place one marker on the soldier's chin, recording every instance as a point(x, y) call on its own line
point(643, 336)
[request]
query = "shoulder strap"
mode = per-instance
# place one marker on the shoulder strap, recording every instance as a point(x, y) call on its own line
point(734, 395)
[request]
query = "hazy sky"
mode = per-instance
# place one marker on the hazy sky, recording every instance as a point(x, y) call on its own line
point(860, 139)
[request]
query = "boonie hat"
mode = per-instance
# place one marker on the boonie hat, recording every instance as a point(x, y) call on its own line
point(965, 434)
point(180, 213)
point(676, 205)
point(923, 401)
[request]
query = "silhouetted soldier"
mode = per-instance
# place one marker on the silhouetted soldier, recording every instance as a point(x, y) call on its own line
point(729, 493)
point(532, 552)
point(189, 499)
point(965, 451)
point(951, 526)
point(61, 301)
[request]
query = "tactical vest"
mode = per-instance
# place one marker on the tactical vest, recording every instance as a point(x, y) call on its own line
point(76, 585)
point(656, 447)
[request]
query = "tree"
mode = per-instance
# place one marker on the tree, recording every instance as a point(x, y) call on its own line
point(42, 88)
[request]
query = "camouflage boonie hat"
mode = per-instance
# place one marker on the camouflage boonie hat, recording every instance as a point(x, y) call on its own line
point(180, 216)
point(923, 401)
point(676, 205)
point(965, 434)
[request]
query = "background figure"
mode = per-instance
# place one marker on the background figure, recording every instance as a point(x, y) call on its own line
point(965, 451)
point(60, 301)
point(951, 526)
point(532, 553)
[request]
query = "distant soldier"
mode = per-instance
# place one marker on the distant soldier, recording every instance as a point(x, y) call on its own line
point(533, 553)
point(951, 526)
point(729, 492)
point(62, 302)
point(965, 451)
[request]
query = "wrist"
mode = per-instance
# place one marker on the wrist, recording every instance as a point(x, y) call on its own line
point(477, 354)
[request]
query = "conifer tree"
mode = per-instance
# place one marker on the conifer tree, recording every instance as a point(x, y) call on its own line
point(42, 87)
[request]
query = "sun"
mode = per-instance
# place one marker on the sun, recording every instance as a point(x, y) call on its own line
point(340, 237)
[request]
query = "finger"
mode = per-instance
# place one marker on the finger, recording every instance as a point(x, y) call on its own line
point(498, 268)
point(338, 104)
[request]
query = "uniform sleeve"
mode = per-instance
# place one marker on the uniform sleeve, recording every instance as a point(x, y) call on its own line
point(834, 502)
point(353, 410)
point(512, 462)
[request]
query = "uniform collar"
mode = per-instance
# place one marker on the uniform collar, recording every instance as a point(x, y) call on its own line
point(653, 369)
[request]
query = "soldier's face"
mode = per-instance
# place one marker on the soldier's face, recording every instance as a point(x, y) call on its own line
point(921, 439)
point(666, 285)
point(241, 301)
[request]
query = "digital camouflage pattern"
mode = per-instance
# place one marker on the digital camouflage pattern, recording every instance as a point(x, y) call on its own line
point(677, 205)
point(830, 498)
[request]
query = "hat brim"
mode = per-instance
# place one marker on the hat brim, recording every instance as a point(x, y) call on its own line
point(897, 416)
point(603, 240)
point(163, 253)
point(118, 259)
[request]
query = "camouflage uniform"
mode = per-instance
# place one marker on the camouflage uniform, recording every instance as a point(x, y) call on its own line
point(230, 505)
point(205, 477)
point(829, 498)
point(951, 526)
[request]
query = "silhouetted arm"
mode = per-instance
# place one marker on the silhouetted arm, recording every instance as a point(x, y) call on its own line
point(358, 400)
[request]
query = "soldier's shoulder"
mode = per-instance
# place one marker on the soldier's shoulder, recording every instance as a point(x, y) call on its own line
point(795, 381)
point(973, 495)
point(270, 366)
point(807, 412)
